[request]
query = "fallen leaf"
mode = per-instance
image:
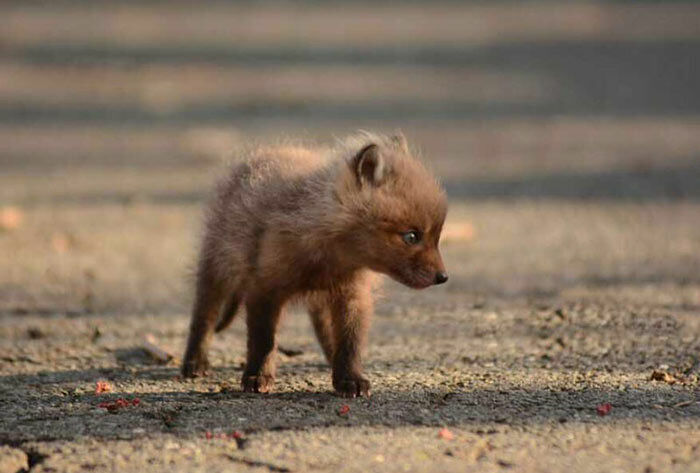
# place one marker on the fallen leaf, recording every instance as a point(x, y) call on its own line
point(458, 232)
point(154, 351)
point(683, 404)
point(10, 218)
point(121, 403)
point(102, 387)
point(604, 409)
point(665, 376)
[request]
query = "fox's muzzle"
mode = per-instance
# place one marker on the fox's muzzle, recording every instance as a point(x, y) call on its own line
point(441, 277)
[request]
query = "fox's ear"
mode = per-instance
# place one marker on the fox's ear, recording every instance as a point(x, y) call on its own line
point(369, 166)
point(400, 141)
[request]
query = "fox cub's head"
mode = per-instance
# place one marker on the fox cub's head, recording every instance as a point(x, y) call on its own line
point(396, 209)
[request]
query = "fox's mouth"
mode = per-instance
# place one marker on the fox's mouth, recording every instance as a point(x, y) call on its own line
point(418, 285)
point(412, 280)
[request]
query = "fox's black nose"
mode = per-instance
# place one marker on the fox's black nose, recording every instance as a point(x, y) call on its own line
point(441, 277)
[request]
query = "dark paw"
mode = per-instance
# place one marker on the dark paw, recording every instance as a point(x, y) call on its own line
point(352, 386)
point(195, 366)
point(262, 383)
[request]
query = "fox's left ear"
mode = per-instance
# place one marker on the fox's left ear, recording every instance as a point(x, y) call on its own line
point(369, 166)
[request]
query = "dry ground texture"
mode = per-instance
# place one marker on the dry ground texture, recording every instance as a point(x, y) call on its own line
point(566, 133)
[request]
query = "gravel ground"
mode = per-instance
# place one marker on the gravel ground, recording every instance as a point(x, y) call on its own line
point(513, 368)
point(567, 135)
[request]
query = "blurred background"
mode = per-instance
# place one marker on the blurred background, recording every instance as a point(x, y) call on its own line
point(566, 132)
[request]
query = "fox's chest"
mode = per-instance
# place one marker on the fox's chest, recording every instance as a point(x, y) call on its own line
point(319, 275)
point(311, 273)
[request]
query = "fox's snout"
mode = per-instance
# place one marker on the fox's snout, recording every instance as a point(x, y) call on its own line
point(441, 277)
point(426, 269)
point(433, 260)
point(424, 278)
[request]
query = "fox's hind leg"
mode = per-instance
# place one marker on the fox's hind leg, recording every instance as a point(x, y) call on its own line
point(320, 313)
point(263, 315)
point(210, 295)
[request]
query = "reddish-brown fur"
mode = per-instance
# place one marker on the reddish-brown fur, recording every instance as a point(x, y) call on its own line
point(296, 223)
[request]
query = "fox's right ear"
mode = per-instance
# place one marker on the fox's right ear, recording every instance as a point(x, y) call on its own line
point(400, 141)
point(368, 165)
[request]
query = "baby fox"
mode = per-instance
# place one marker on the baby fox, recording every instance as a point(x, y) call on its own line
point(313, 225)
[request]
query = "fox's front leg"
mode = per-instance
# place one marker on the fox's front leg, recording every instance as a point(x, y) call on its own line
point(351, 310)
point(263, 314)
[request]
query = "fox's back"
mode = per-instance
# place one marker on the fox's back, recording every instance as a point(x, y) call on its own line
point(278, 189)
point(273, 178)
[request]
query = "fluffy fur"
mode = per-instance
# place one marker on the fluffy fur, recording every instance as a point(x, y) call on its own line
point(314, 224)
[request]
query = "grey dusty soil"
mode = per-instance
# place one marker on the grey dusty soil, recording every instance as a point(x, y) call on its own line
point(536, 329)
point(567, 136)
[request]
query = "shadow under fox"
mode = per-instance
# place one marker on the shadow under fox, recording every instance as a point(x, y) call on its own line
point(314, 225)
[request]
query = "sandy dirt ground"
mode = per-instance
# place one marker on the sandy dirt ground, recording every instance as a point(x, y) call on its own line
point(567, 135)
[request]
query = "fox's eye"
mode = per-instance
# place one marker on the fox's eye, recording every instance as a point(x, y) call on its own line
point(411, 238)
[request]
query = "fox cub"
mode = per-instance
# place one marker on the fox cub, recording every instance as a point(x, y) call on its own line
point(313, 225)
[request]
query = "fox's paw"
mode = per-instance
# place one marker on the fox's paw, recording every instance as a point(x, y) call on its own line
point(352, 386)
point(262, 383)
point(195, 366)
